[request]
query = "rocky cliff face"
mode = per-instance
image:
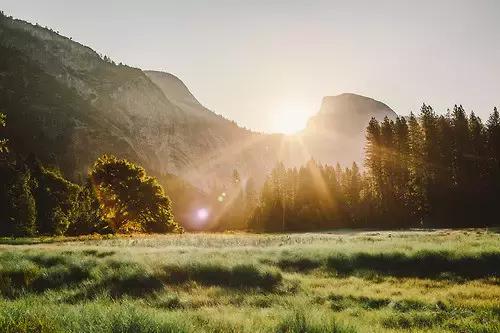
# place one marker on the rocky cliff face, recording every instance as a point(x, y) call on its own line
point(216, 145)
point(348, 114)
point(337, 132)
point(149, 117)
point(69, 105)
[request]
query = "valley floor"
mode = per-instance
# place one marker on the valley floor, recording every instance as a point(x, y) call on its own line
point(417, 281)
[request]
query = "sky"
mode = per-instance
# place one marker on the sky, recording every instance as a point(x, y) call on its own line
point(267, 64)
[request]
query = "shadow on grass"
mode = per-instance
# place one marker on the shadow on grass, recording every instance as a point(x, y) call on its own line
point(239, 276)
point(15, 282)
point(299, 323)
point(426, 264)
point(299, 264)
point(342, 302)
point(134, 280)
point(453, 320)
point(119, 279)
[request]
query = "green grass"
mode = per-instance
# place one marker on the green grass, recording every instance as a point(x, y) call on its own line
point(416, 281)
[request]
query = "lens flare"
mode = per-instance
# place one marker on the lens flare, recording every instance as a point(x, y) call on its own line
point(202, 214)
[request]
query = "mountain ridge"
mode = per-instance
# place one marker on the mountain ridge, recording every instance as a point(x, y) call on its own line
point(153, 118)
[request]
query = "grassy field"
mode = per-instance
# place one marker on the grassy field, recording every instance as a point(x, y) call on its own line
point(416, 281)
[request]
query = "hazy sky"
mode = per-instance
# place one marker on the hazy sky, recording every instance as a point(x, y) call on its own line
point(263, 62)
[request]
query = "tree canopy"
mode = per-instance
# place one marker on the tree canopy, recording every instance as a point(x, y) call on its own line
point(131, 200)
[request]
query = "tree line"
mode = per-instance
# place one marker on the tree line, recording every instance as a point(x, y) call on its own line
point(425, 170)
point(117, 196)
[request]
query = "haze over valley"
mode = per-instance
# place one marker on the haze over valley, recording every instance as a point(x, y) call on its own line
point(151, 117)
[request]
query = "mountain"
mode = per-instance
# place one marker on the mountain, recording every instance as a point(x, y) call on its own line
point(68, 104)
point(337, 132)
point(348, 114)
point(91, 106)
point(177, 92)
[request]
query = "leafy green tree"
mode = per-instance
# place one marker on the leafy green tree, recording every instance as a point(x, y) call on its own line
point(54, 196)
point(17, 204)
point(131, 200)
point(86, 216)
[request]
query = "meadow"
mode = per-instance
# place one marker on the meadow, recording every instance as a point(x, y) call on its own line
point(343, 281)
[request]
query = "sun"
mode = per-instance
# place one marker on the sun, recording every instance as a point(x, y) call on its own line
point(288, 119)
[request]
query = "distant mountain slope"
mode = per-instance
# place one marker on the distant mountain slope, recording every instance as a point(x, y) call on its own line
point(136, 117)
point(177, 92)
point(48, 118)
point(123, 97)
point(337, 132)
point(348, 114)
point(68, 104)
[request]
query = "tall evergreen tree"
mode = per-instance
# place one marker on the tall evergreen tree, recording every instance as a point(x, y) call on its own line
point(417, 199)
point(17, 204)
point(493, 137)
point(3, 141)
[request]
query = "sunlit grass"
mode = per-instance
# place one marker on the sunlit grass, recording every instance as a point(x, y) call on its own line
point(419, 281)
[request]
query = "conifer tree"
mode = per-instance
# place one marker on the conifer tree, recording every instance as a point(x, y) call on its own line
point(493, 137)
point(417, 200)
point(3, 142)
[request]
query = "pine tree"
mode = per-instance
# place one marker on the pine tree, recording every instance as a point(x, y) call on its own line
point(417, 199)
point(236, 179)
point(373, 155)
point(402, 169)
point(353, 190)
point(3, 142)
point(493, 137)
point(461, 145)
point(478, 143)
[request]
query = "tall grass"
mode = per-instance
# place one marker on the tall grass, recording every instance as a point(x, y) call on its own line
point(445, 281)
